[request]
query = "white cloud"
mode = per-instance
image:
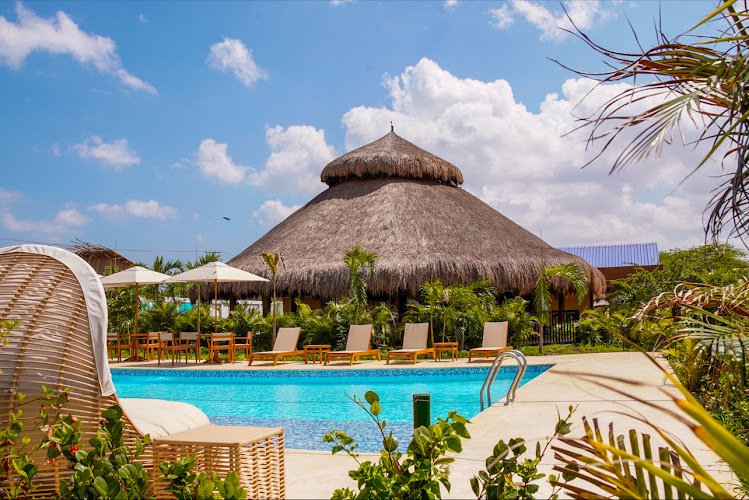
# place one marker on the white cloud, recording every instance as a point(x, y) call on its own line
point(450, 3)
point(231, 55)
point(200, 238)
point(272, 212)
point(523, 164)
point(336, 3)
point(8, 197)
point(143, 209)
point(115, 154)
point(142, 18)
point(60, 35)
point(299, 154)
point(584, 13)
point(65, 221)
point(214, 161)
point(56, 149)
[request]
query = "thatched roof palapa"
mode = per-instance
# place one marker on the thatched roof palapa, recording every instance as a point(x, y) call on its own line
point(404, 204)
point(98, 256)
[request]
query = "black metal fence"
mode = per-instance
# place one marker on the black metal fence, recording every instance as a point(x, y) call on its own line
point(562, 328)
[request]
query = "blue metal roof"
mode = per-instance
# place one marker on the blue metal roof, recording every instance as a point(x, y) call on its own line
point(641, 254)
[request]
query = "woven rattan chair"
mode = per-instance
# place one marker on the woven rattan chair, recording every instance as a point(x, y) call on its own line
point(61, 343)
point(415, 339)
point(494, 341)
point(357, 345)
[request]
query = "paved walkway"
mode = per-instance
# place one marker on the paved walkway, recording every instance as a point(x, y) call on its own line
point(314, 474)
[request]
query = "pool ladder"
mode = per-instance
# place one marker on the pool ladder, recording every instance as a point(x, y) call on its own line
point(494, 370)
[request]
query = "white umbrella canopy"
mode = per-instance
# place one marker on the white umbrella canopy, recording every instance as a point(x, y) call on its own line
point(136, 275)
point(217, 272)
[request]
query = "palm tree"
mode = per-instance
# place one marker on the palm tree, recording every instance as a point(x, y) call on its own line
point(703, 83)
point(170, 267)
point(271, 260)
point(542, 297)
point(360, 263)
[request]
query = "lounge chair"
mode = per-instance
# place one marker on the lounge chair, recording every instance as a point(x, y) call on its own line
point(357, 345)
point(62, 343)
point(494, 342)
point(166, 344)
point(284, 347)
point(415, 339)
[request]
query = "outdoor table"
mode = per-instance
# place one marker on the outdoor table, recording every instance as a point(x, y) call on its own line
point(313, 349)
point(135, 341)
point(451, 347)
point(216, 358)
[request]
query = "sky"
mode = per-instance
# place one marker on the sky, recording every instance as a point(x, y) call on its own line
point(143, 125)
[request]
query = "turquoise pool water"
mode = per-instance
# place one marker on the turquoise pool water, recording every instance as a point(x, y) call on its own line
point(310, 403)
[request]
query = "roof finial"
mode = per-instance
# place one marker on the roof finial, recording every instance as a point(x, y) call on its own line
point(391, 126)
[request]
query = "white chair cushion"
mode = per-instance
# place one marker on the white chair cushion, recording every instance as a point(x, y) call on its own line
point(159, 417)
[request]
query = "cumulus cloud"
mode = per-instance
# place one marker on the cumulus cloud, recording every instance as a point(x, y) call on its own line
point(60, 35)
point(584, 13)
point(114, 154)
point(272, 212)
point(231, 55)
point(299, 154)
point(65, 221)
point(142, 18)
point(527, 165)
point(213, 161)
point(137, 208)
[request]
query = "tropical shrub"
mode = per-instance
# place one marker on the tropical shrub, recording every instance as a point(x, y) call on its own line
point(420, 475)
point(508, 477)
point(519, 321)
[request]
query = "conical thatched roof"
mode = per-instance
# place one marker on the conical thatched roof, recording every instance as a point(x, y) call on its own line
point(98, 256)
point(406, 208)
point(391, 156)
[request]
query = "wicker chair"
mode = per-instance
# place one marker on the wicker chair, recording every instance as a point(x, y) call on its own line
point(61, 343)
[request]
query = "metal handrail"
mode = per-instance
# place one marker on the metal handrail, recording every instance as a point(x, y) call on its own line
point(494, 370)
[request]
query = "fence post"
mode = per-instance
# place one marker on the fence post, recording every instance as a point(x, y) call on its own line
point(422, 410)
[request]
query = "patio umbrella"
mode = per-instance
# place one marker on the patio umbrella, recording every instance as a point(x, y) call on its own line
point(218, 272)
point(135, 275)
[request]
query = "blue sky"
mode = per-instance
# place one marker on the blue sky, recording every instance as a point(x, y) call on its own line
point(143, 124)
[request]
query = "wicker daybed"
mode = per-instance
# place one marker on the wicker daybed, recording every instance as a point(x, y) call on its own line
point(62, 343)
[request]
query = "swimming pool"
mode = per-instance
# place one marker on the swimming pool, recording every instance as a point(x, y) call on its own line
point(310, 403)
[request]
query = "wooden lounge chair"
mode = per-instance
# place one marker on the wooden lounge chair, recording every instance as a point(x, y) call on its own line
point(62, 343)
point(414, 343)
point(284, 347)
point(357, 345)
point(493, 343)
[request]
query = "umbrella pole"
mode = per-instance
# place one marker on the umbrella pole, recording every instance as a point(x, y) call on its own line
point(216, 304)
point(136, 309)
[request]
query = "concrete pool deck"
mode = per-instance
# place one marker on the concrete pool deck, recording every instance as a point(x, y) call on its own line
point(316, 474)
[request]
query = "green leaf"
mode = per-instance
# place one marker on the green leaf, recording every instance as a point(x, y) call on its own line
point(371, 397)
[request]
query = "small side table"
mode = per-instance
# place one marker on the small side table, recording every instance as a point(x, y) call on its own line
point(314, 349)
point(451, 347)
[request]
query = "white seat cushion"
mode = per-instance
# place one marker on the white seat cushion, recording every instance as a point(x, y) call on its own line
point(159, 417)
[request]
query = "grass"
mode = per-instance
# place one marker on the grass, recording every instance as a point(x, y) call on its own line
point(554, 349)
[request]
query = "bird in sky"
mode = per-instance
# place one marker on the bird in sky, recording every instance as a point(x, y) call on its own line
point(227, 218)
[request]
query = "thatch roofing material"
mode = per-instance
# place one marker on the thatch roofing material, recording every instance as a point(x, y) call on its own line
point(420, 229)
point(98, 256)
point(391, 156)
